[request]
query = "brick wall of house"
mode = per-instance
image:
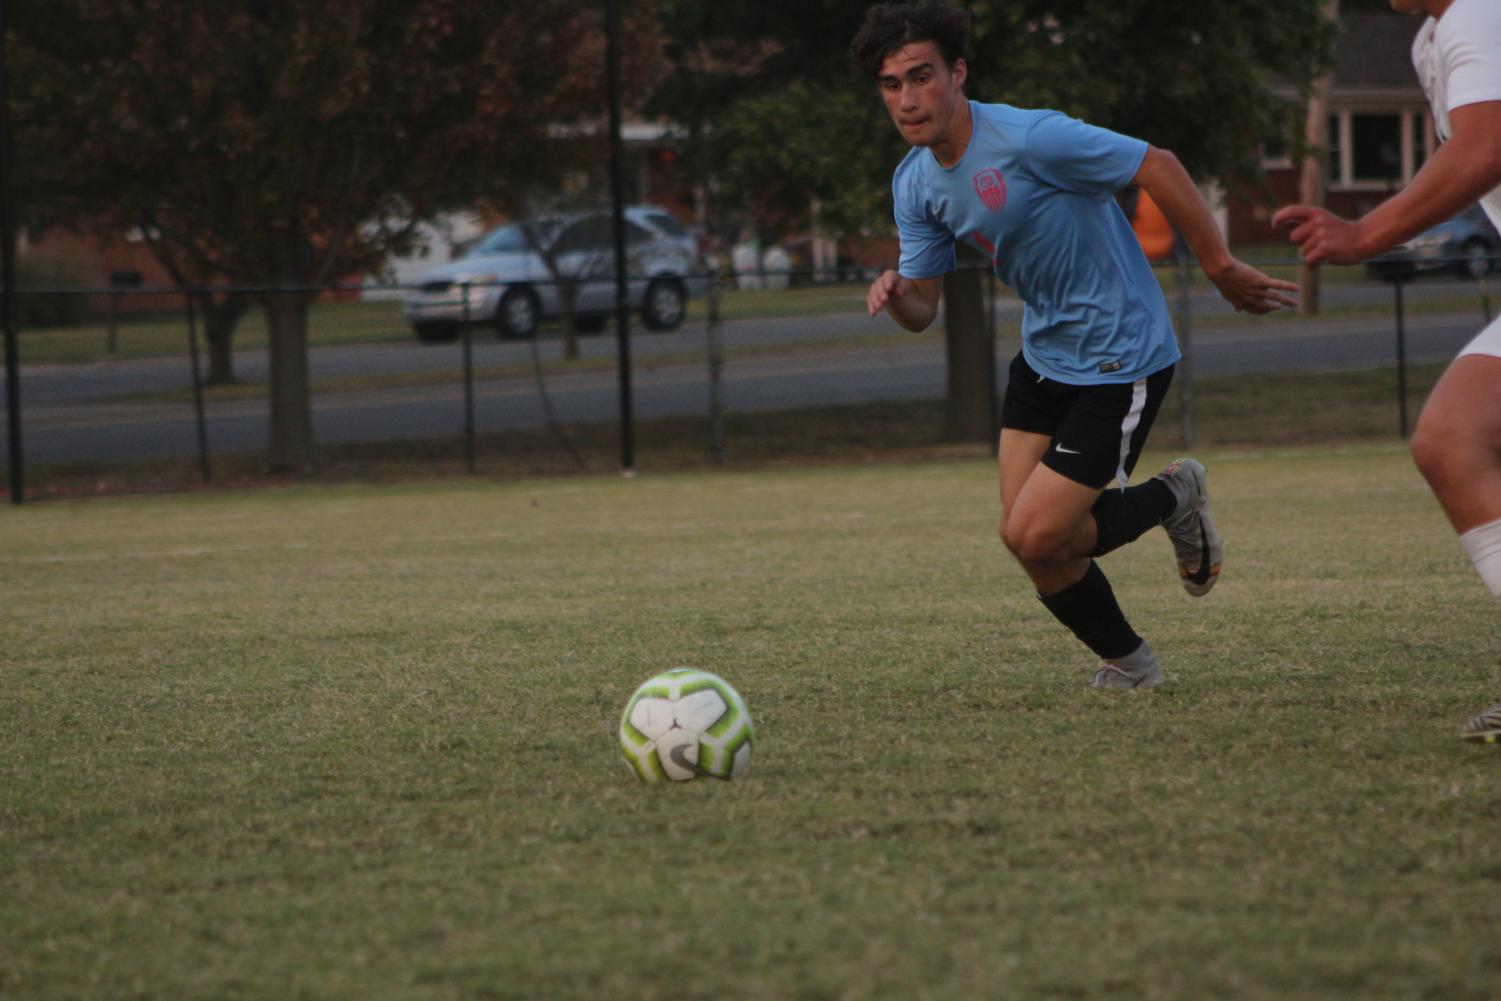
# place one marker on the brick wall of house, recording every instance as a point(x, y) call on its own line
point(1250, 208)
point(90, 262)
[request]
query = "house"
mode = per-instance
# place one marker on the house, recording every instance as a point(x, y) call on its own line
point(1380, 130)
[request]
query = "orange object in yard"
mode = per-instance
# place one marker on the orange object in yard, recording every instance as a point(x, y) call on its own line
point(1153, 231)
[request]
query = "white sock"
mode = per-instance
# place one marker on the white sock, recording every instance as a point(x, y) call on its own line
point(1484, 546)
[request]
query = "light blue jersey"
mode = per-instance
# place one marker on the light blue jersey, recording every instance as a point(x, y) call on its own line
point(1035, 192)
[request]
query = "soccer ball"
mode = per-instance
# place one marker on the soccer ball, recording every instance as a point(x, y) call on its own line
point(685, 723)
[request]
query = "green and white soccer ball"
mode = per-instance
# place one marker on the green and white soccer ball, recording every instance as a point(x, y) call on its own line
point(685, 723)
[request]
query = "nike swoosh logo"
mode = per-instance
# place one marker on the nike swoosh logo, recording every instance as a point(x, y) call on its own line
point(1201, 575)
point(1066, 451)
point(679, 756)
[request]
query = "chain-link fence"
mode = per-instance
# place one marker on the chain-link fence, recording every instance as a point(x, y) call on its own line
point(756, 368)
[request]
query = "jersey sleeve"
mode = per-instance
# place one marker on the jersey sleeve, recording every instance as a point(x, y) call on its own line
point(927, 246)
point(1069, 154)
point(1472, 55)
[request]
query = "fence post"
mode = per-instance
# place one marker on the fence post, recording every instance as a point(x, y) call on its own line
point(118, 282)
point(716, 367)
point(1401, 361)
point(197, 389)
point(468, 342)
point(111, 338)
point(8, 305)
point(1185, 345)
point(995, 368)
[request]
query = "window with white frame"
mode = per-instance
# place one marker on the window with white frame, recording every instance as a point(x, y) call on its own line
point(1375, 149)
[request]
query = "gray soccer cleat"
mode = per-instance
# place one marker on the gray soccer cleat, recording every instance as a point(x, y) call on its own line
point(1199, 547)
point(1484, 728)
point(1137, 670)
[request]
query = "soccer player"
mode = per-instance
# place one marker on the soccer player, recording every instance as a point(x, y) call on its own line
point(1457, 444)
point(1035, 192)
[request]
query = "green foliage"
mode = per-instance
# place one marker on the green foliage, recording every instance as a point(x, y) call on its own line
point(291, 143)
point(1194, 78)
point(762, 164)
point(43, 310)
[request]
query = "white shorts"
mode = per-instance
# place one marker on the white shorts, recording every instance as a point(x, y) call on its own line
point(1487, 342)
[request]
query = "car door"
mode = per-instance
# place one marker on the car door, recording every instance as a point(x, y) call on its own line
point(586, 254)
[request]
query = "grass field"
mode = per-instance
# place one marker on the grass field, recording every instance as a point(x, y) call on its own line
point(358, 742)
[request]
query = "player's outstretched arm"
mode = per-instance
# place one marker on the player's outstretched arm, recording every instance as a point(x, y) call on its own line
point(1244, 287)
point(1463, 169)
point(912, 302)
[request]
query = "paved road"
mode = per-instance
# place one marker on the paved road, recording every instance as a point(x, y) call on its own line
point(74, 413)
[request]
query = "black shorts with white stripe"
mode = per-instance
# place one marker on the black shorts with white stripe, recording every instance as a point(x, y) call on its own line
point(1097, 432)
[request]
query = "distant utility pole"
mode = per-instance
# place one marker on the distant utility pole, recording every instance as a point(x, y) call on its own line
point(617, 198)
point(1311, 182)
point(8, 284)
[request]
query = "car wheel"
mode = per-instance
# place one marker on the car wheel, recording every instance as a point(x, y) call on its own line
point(665, 306)
point(1477, 259)
point(519, 314)
point(436, 333)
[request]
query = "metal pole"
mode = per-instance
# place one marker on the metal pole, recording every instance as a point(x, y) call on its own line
point(197, 390)
point(16, 461)
point(622, 300)
point(468, 384)
point(111, 337)
point(1401, 363)
point(995, 368)
point(1185, 345)
point(716, 368)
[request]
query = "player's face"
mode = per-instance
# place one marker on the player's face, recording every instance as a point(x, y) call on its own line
point(922, 93)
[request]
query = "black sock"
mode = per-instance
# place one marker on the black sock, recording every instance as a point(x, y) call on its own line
point(1089, 609)
point(1120, 516)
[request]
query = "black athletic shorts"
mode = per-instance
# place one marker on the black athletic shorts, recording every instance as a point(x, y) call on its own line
point(1097, 431)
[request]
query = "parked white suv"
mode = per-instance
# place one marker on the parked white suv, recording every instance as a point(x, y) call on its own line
point(511, 285)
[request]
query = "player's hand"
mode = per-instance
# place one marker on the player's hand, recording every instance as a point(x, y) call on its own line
point(885, 288)
point(1250, 291)
point(1321, 236)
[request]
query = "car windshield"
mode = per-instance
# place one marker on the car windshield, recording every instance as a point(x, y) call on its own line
point(667, 224)
point(515, 237)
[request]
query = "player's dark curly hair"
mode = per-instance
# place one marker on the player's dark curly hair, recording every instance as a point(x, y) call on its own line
point(889, 26)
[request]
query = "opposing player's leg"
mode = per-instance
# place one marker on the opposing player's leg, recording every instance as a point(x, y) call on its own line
point(1457, 447)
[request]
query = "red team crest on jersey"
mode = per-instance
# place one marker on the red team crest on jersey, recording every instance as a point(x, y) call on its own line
point(991, 187)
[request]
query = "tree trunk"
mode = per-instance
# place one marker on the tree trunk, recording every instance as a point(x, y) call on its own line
point(971, 358)
point(220, 320)
point(292, 446)
point(568, 294)
point(1314, 165)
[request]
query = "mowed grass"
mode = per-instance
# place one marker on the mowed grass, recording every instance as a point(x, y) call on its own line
point(344, 742)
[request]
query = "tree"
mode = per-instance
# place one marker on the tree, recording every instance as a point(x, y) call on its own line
point(774, 111)
point(1311, 187)
point(279, 147)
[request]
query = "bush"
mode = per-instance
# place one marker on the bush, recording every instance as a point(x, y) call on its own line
point(50, 309)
